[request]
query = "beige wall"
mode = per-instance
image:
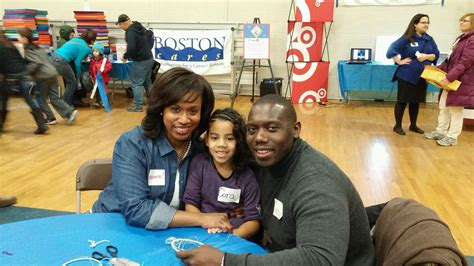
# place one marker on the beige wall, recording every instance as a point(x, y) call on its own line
point(353, 26)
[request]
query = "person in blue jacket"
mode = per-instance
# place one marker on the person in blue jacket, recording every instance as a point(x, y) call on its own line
point(411, 52)
point(75, 50)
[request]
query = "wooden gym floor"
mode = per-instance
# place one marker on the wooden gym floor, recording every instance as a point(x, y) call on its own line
point(40, 170)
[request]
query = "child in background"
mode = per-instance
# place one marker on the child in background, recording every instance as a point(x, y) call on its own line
point(220, 180)
point(95, 67)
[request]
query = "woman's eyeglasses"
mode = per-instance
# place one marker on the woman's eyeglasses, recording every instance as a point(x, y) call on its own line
point(464, 20)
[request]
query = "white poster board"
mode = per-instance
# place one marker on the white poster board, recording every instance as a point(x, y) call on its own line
point(121, 50)
point(257, 41)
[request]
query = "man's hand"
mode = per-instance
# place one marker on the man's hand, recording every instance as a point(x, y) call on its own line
point(123, 59)
point(204, 255)
point(216, 220)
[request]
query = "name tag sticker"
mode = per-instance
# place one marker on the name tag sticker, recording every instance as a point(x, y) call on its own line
point(156, 177)
point(228, 195)
point(414, 44)
point(278, 209)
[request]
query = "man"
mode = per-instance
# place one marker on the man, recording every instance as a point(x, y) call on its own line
point(7, 201)
point(139, 51)
point(66, 33)
point(311, 212)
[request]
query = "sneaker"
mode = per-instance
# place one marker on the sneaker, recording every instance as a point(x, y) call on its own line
point(447, 141)
point(7, 201)
point(72, 117)
point(96, 105)
point(133, 108)
point(434, 135)
point(51, 121)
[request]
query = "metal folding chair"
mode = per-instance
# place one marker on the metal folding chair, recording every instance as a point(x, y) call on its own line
point(92, 175)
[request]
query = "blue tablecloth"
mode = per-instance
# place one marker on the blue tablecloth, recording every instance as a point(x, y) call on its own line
point(372, 76)
point(56, 240)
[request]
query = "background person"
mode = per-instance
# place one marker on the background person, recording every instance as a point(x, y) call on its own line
point(311, 212)
point(13, 70)
point(150, 162)
point(459, 66)
point(95, 66)
point(139, 51)
point(220, 180)
point(40, 69)
point(75, 51)
point(66, 33)
point(416, 49)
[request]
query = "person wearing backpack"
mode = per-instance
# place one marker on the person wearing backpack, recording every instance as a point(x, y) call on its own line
point(41, 69)
point(139, 47)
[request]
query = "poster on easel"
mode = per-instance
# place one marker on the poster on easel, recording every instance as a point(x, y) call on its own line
point(256, 41)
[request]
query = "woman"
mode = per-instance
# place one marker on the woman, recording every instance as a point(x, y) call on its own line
point(75, 50)
point(150, 162)
point(13, 70)
point(412, 52)
point(459, 66)
point(40, 69)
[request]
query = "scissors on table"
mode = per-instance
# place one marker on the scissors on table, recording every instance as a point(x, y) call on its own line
point(113, 251)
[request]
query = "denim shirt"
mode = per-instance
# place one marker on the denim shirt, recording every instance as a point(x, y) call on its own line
point(129, 193)
point(411, 72)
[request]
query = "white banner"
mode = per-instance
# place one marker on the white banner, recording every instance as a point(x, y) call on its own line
point(388, 2)
point(206, 52)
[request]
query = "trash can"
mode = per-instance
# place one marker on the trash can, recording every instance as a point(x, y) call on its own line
point(266, 86)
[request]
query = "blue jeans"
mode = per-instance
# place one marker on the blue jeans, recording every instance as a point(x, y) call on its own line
point(140, 75)
point(49, 88)
point(70, 81)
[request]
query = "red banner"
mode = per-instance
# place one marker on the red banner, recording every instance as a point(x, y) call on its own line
point(305, 41)
point(310, 82)
point(314, 10)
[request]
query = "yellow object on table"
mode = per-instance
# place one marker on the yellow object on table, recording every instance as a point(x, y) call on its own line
point(434, 76)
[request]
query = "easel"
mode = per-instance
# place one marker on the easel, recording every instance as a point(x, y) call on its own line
point(254, 74)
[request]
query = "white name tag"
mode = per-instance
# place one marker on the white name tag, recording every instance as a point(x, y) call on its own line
point(414, 44)
point(156, 177)
point(228, 195)
point(278, 209)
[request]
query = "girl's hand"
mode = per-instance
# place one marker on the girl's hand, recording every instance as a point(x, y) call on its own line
point(216, 220)
point(214, 230)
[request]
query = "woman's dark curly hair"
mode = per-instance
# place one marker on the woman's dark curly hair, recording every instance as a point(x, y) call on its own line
point(242, 157)
point(168, 89)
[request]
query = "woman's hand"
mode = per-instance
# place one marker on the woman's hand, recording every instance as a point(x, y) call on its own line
point(444, 82)
point(405, 61)
point(216, 220)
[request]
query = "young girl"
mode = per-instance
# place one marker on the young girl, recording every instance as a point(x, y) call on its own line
point(41, 69)
point(220, 179)
point(95, 66)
